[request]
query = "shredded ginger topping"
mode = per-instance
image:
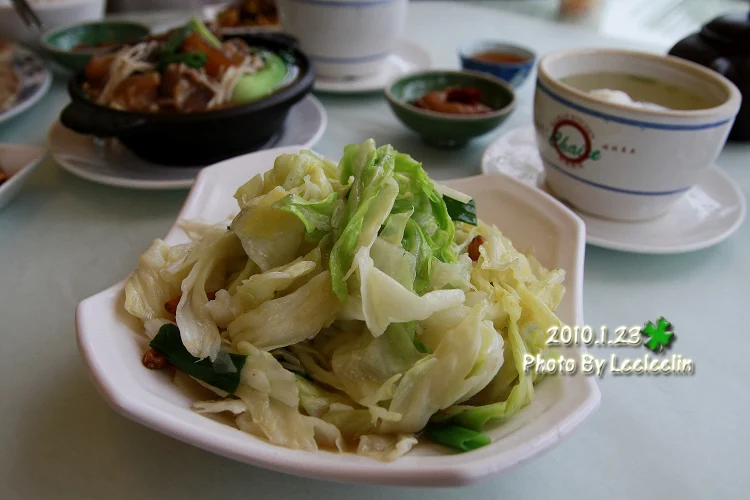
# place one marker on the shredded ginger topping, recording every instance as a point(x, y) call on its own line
point(127, 62)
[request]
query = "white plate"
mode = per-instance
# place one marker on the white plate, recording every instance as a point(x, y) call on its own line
point(112, 344)
point(34, 81)
point(18, 162)
point(407, 57)
point(109, 162)
point(708, 214)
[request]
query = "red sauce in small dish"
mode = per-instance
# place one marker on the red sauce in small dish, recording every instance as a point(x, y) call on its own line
point(497, 57)
point(454, 101)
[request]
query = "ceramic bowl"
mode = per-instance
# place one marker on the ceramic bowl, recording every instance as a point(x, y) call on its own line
point(443, 129)
point(515, 73)
point(59, 44)
point(622, 162)
point(345, 38)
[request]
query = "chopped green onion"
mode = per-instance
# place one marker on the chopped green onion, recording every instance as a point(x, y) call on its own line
point(192, 59)
point(174, 42)
point(287, 56)
point(458, 438)
point(224, 373)
point(421, 347)
point(463, 212)
point(197, 26)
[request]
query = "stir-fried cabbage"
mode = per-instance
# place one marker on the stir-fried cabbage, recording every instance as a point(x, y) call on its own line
point(364, 313)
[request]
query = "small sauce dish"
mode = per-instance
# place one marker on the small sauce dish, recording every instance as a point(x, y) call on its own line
point(446, 129)
point(509, 62)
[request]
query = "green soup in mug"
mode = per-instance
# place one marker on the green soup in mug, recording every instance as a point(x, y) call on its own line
point(641, 89)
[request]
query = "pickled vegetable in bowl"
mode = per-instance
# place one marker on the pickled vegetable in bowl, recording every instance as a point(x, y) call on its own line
point(187, 70)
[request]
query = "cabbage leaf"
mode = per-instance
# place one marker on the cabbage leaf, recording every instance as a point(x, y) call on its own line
point(288, 320)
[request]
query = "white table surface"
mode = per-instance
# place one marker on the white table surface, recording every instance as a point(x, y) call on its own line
point(64, 239)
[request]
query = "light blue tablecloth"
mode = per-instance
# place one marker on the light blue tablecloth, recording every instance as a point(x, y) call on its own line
point(64, 239)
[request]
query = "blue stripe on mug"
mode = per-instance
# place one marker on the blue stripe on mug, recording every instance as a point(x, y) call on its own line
point(626, 121)
point(344, 3)
point(349, 60)
point(614, 189)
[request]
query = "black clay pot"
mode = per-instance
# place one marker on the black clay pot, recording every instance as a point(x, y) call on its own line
point(182, 139)
point(724, 46)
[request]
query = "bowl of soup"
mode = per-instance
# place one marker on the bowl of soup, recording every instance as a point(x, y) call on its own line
point(508, 62)
point(624, 135)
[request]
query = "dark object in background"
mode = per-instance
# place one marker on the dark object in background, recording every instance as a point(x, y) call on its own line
point(197, 138)
point(724, 46)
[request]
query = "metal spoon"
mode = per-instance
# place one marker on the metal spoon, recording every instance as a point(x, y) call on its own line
point(27, 15)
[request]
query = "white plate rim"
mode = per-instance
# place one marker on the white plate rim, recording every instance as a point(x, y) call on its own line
point(185, 183)
point(578, 399)
point(17, 109)
point(19, 176)
point(625, 246)
point(370, 84)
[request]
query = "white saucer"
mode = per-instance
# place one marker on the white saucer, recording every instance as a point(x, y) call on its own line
point(407, 56)
point(106, 161)
point(708, 214)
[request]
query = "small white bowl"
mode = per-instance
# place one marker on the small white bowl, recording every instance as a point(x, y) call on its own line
point(621, 162)
point(18, 162)
point(112, 344)
point(345, 38)
point(52, 15)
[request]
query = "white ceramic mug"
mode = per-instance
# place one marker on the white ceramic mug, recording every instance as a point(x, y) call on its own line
point(617, 161)
point(345, 38)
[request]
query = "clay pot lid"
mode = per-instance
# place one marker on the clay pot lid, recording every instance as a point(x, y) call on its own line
point(732, 29)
